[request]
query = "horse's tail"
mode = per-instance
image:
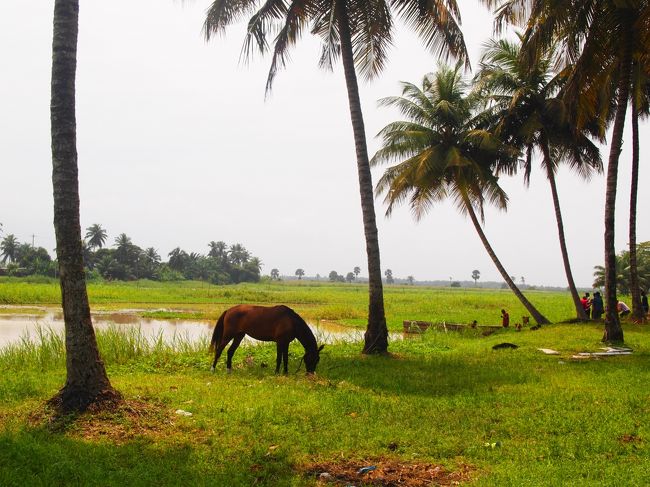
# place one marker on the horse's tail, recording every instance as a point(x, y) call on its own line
point(217, 334)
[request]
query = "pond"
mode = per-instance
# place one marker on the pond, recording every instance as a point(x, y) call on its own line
point(22, 322)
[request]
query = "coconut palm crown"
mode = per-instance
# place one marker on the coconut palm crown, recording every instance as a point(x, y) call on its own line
point(445, 149)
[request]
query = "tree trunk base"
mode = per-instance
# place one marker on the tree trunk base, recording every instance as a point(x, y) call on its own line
point(375, 345)
point(76, 400)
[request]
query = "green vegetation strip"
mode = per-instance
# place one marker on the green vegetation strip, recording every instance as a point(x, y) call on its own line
point(344, 303)
point(516, 417)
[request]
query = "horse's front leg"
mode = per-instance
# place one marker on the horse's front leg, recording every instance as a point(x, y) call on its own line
point(278, 357)
point(231, 351)
point(285, 357)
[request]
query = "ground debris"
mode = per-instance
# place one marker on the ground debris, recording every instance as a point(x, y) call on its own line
point(388, 473)
point(129, 419)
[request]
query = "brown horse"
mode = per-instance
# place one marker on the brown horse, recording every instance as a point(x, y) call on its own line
point(278, 324)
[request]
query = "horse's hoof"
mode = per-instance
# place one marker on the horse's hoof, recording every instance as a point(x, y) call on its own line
point(228, 371)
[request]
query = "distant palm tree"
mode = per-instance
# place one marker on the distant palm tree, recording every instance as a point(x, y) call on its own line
point(8, 248)
point(218, 249)
point(360, 33)
point(96, 236)
point(443, 151)
point(300, 273)
point(152, 255)
point(275, 274)
point(522, 91)
point(86, 379)
point(238, 254)
point(256, 263)
point(476, 275)
point(389, 276)
point(357, 271)
point(410, 280)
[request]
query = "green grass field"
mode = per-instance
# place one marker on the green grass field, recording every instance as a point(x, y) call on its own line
point(344, 303)
point(499, 417)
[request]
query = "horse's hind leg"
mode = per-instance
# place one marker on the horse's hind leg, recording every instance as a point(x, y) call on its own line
point(217, 354)
point(231, 351)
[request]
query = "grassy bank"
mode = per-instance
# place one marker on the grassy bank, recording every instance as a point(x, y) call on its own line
point(508, 417)
point(345, 303)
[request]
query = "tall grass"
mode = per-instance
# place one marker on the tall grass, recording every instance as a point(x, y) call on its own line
point(118, 345)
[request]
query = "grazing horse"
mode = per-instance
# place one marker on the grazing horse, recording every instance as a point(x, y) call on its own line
point(278, 324)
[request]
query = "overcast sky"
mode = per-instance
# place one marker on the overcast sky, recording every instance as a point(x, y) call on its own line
point(178, 146)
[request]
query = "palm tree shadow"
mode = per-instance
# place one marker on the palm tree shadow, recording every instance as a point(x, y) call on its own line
point(436, 375)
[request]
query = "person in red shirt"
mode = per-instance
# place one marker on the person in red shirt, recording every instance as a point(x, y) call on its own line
point(505, 318)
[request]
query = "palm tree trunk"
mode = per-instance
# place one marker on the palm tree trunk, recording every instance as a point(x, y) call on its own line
point(580, 310)
point(613, 329)
point(637, 308)
point(376, 336)
point(537, 316)
point(86, 380)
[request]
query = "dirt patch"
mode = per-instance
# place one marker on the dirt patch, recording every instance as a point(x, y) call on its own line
point(123, 422)
point(387, 473)
point(630, 438)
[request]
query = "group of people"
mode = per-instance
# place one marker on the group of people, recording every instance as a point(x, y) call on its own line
point(594, 307)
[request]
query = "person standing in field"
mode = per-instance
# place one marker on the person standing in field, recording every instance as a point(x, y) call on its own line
point(505, 318)
point(586, 304)
point(644, 303)
point(597, 307)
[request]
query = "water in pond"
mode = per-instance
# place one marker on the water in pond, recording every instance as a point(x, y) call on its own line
point(23, 322)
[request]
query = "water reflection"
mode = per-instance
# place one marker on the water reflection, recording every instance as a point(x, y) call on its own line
point(15, 326)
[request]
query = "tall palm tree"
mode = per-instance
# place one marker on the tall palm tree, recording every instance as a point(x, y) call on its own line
point(522, 92)
point(8, 248)
point(86, 379)
point(238, 254)
point(359, 32)
point(96, 236)
point(598, 35)
point(640, 104)
point(443, 151)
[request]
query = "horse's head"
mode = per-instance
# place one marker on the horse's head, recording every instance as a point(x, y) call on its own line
point(311, 359)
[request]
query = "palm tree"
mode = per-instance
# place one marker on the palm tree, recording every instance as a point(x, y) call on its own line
point(152, 255)
point(640, 104)
point(86, 379)
point(8, 248)
point(96, 236)
point(300, 273)
point(476, 275)
point(357, 271)
point(275, 274)
point(443, 151)
point(238, 254)
point(600, 39)
point(522, 91)
point(218, 250)
point(360, 33)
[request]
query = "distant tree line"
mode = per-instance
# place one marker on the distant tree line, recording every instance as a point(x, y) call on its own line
point(126, 261)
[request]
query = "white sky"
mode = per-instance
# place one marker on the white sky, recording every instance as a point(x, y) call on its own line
point(178, 147)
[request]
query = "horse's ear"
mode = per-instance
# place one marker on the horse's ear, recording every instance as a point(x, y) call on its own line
point(321, 347)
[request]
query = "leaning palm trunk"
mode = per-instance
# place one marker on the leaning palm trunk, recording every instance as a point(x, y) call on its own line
point(613, 329)
point(376, 336)
point(86, 380)
point(580, 310)
point(637, 308)
point(537, 316)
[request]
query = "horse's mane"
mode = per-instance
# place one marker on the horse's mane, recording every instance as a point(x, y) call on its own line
point(303, 333)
